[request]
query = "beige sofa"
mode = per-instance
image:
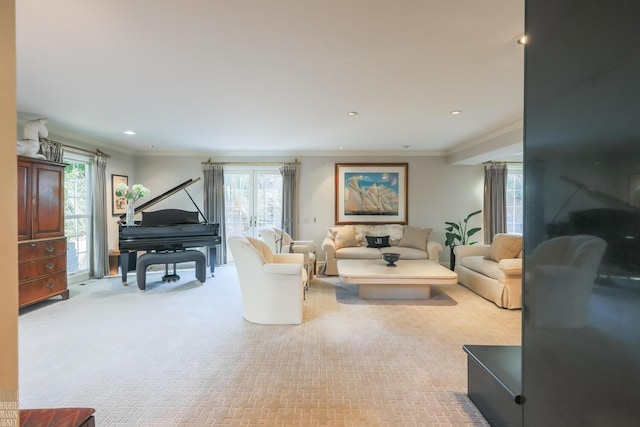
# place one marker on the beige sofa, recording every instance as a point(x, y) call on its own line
point(493, 271)
point(350, 242)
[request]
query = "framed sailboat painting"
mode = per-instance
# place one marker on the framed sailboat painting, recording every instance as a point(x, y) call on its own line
point(371, 193)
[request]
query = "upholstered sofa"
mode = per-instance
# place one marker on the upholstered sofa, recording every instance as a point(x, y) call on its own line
point(493, 271)
point(366, 241)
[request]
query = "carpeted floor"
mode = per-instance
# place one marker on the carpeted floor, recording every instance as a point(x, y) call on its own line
point(181, 354)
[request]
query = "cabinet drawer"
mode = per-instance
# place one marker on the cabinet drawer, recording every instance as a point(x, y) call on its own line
point(42, 248)
point(33, 269)
point(42, 288)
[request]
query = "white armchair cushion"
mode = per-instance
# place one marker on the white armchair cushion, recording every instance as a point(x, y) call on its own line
point(268, 236)
point(286, 269)
point(262, 248)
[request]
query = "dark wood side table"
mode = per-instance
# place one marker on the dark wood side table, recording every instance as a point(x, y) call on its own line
point(57, 417)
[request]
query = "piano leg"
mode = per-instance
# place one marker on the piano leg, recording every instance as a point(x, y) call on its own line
point(212, 259)
point(124, 265)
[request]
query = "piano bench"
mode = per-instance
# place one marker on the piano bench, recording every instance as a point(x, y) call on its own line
point(150, 258)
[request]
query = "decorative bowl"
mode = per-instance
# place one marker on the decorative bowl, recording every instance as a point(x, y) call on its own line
point(391, 258)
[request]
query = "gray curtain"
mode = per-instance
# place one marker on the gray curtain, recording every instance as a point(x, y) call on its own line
point(100, 260)
point(289, 173)
point(495, 200)
point(214, 204)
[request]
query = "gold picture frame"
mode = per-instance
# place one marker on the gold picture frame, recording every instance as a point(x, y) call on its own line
point(118, 204)
point(372, 193)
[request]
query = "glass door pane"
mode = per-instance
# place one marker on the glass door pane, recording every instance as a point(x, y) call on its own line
point(268, 199)
point(253, 199)
point(238, 206)
point(77, 214)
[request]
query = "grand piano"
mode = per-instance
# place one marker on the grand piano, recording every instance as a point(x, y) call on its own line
point(618, 224)
point(167, 230)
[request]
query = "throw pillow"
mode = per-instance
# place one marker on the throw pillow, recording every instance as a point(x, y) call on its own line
point(394, 231)
point(378, 241)
point(504, 246)
point(344, 236)
point(415, 238)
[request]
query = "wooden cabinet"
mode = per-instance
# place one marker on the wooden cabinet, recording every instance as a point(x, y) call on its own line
point(42, 247)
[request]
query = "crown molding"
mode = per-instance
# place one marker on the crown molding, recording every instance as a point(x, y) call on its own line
point(503, 142)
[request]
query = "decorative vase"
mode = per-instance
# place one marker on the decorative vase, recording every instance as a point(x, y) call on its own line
point(130, 212)
point(391, 258)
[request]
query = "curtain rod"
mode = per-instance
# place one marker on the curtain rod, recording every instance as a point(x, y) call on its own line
point(97, 150)
point(508, 163)
point(209, 162)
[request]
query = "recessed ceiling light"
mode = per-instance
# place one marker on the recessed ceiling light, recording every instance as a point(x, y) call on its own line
point(352, 113)
point(456, 112)
point(129, 132)
point(522, 40)
point(340, 147)
point(151, 146)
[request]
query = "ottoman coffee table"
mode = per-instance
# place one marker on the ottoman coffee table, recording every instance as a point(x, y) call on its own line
point(410, 279)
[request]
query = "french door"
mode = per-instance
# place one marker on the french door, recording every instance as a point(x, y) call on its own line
point(77, 215)
point(253, 199)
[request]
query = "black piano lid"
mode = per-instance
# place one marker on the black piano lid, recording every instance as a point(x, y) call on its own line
point(165, 195)
point(172, 236)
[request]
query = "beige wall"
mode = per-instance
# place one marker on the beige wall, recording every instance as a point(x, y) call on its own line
point(438, 192)
point(8, 227)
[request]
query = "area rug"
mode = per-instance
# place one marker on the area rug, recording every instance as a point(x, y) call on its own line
point(348, 294)
point(182, 355)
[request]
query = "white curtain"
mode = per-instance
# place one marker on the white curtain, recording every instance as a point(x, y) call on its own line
point(495, 200)
point(100, 261)
point(289, 173)
point(214, 204)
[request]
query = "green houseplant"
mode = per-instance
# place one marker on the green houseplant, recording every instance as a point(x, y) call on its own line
point(458, 233)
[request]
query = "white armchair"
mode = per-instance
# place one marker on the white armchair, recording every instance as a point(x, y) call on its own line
point(271, 285)
point(560, 280)
point(279, 241)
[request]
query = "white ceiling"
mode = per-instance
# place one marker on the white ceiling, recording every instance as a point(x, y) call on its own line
point(252, 76)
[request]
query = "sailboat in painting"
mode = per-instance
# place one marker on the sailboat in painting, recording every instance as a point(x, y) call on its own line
point(375, 199)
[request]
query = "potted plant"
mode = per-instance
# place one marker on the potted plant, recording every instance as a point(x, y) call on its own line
point(458, 234)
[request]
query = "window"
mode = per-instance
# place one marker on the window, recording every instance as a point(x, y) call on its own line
point(514, 195)
point(77, 214)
